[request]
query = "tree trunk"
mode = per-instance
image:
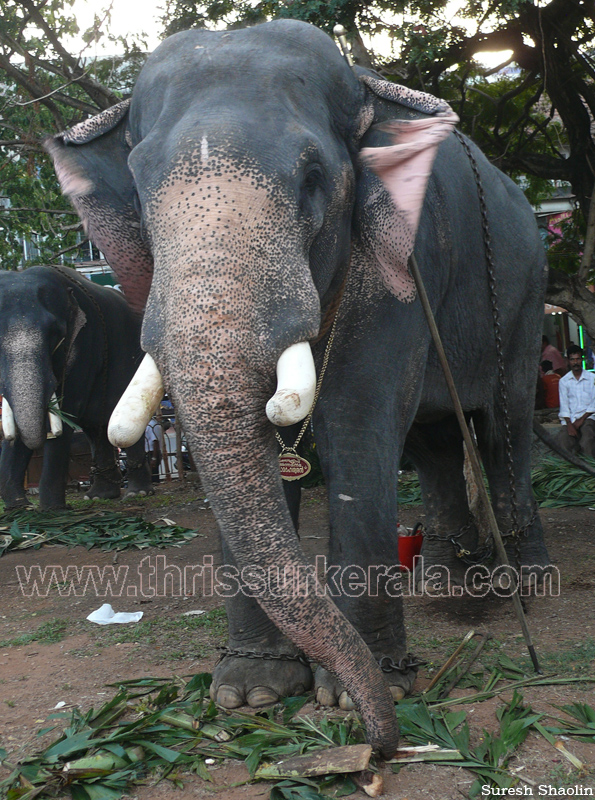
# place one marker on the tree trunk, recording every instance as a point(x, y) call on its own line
point(568, 292)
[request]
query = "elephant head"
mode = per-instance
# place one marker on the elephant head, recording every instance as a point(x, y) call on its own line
point(226, 193)
point(39, 320)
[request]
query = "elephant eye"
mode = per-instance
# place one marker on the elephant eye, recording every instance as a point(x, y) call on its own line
point(313, 178)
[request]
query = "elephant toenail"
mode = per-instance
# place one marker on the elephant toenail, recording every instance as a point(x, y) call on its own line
point(261, 696)
point(325, 698)
point(227, 696)
point(397, 692)
point(345, 702)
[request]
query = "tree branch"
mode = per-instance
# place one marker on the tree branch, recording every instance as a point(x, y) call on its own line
point(38, 210)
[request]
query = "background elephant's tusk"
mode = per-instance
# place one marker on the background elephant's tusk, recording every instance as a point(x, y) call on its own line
point(8, 425)
point(137, 405)
point(296, 385)
point(55, 421)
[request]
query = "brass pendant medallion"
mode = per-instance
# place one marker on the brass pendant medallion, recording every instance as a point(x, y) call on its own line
point(293, 467)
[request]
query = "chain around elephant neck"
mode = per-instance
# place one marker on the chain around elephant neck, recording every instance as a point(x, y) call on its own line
point(290, 452)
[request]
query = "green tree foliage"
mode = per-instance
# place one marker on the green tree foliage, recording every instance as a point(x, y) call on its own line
point(534, 119)
point(44, 88)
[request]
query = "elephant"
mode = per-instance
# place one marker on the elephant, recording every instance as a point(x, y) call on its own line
point(64, 340)
point(259, 197)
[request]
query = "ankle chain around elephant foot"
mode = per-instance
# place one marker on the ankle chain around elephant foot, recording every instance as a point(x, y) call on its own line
point(106, 474)
point(403, 665)
point(267, 656)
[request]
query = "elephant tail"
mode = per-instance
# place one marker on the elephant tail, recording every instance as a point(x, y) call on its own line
point(553, 444)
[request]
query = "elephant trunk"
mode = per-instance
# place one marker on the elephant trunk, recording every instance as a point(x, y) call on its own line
point(220, 400)
point(28, 384)
point(239, 468)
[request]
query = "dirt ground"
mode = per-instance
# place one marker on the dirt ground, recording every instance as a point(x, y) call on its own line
point(50, 654)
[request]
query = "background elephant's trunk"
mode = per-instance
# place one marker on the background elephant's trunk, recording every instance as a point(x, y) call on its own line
point(27, 383)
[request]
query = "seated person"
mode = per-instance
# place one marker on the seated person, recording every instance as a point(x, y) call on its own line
point(577, 406)
point(549, 353)
point(550, 381)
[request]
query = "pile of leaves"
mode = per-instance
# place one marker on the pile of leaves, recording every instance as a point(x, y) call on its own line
point(557, 483)
point(408, 489)
point(24, 528)
point(158, 729)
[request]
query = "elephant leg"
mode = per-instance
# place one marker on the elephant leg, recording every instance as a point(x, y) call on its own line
point(106, 477)
point(14, 461)
point(239, 680)
point(54, 474)
point(362, 575)
point(451, 535)
point(138, 471)
point(526, 550)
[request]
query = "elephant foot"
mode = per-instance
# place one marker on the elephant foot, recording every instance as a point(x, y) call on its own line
point(330, 692)
point(130, 493)
point(105, 484)
point(257, 682)
point(529, 557)
point(139, 479)
point(18, 502)
point(445, 561)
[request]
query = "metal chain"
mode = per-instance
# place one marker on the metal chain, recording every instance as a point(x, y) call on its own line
point(515, 532)
point(104, 473)
point(267, 656)
point(481, 555)
point(284, 447)
point(404, 664)
point(385, 663)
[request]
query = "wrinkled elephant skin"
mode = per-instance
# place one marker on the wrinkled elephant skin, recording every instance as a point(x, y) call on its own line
point(263, 180)
point(63, 339)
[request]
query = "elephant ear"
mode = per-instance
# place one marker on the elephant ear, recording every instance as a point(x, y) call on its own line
point(91, 162)
point(413, 123)
point(77, 321)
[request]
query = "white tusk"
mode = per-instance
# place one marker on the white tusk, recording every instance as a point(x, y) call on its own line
point(55, 421)
point(296, 385)
point(137, 405)
point(8, 426)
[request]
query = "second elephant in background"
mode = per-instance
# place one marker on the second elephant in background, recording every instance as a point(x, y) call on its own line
point(61, 334)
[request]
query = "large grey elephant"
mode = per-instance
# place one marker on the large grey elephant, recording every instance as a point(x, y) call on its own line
point(234, 195)
point(65, 338)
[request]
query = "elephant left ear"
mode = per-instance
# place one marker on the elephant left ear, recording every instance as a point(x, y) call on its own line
point(420, 122)
point(91, 162)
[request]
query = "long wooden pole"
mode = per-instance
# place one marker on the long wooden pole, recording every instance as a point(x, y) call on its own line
point(474, 460)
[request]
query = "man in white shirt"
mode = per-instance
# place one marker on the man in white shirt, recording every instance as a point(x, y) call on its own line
point(577, 406)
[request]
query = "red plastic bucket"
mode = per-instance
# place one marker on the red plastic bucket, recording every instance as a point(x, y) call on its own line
point(409, 547)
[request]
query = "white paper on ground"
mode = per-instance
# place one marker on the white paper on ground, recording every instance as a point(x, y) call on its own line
point(107, 616)
point(196, 613)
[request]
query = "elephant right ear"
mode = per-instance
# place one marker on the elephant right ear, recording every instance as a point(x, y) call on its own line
point(91, 162)
point(416, 123)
